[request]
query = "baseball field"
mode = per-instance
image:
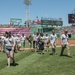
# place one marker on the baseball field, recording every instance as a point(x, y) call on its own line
point(33, 63)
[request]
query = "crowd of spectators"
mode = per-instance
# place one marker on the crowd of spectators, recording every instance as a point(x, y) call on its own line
point(71, 30)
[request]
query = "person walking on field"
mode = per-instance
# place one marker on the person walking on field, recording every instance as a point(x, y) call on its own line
point(34, 40)
point(1, 46)
point(30, 39)
point(18, 42)
point(53, 39)
point(23, 39)
point(65, 43)
point(47, 42)
point(9, 44)
point(37, 41)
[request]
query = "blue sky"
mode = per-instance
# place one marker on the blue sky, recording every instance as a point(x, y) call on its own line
point(41, 8)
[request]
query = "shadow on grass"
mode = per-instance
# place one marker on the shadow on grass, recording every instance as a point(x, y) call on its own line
point(66, 56)
point(14, 64)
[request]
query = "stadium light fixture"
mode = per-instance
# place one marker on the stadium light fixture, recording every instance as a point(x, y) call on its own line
point(27, 3)
point(73, 11)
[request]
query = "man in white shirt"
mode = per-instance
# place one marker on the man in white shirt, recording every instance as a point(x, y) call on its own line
point(18, 42)
point(65, 43)
point(53, 38)
point(47, 41)
point(34, 40)
point(37, 39)
point(23, 38)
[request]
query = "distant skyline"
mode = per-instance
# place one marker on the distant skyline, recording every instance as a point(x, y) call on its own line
point(41, 8)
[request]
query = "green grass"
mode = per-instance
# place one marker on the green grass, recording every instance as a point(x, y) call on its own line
point(72, 38)
point(31, 63)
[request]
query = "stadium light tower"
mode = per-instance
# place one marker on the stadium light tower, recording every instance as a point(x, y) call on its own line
point(27, 3)
point(73, 11)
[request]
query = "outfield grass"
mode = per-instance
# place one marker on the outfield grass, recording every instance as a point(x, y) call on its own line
point(31, 63)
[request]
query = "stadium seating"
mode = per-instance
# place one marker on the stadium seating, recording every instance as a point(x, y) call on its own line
point(24, 30)
point(71, 30)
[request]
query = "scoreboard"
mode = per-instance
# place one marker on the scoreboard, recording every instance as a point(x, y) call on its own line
point(71, 18)
point(52, 22)
point(15, 20)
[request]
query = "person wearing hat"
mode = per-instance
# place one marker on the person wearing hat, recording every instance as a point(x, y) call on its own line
point(9, 44)
point(65, 43)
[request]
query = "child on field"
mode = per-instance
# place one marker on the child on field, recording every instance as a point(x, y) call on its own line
point(41, 46)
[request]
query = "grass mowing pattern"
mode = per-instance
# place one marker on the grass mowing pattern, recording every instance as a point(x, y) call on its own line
point(30, 63)
point(18, 56)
